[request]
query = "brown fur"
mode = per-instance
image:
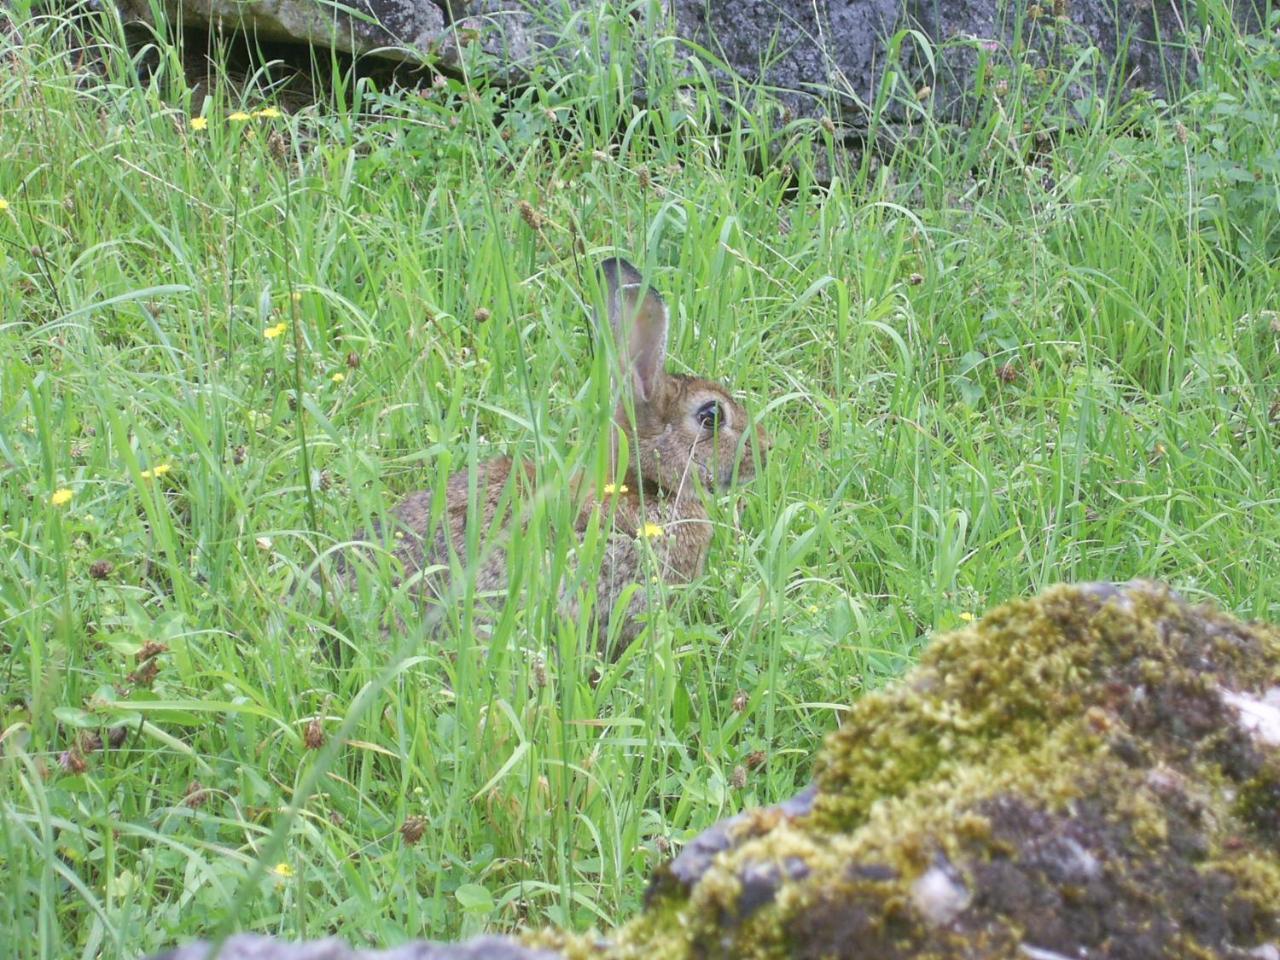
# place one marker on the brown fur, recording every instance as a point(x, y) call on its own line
point(671, 455)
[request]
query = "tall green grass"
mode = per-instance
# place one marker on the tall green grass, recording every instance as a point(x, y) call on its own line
point(987, 366)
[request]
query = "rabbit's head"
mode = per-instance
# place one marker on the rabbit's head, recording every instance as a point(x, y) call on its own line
point(680, 429)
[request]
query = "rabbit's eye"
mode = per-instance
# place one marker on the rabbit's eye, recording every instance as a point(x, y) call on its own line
point(709, 415)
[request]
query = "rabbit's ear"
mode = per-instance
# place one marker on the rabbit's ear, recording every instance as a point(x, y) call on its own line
point(639, 321)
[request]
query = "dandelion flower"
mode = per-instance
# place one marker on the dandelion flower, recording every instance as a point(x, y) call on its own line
point(4, 204)
point(159, 470)
point(238, 117)
point(267, 113)
point(61, 497)
point(282, 870)
point(966, 616)
point(338, 377)
point(199, 123)
point(651, 530)
point(611, 488)
point(272, 332)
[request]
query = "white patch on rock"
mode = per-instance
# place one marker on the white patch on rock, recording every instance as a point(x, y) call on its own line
point(1081, 861)
point(1259, 716)
point(1268, 951)
point(1039, 953)
point(939, 896)
point(1165, 780)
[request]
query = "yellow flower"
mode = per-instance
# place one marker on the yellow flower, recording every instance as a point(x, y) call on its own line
point(199, 123)
point(966, 616)
point(159, 470)
point(61, 497)
point(612, 488)
point(338, 377)
point(282, 870)
point(267, 113)
point(238, 117)
point(272, 332)
point(296, 296)
point(4, 204)
point(651, 530)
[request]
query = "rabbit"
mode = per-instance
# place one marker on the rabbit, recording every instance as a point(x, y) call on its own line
point(682, 432)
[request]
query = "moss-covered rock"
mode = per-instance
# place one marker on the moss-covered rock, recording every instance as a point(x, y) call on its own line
point(1091, 773)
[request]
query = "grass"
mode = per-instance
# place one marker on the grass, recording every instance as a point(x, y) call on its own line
point(987, 366)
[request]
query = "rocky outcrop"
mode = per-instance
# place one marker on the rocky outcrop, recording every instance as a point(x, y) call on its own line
point(834, 57)
point(1094, 772)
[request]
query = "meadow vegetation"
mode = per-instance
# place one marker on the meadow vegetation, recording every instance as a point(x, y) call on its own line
point(234, 331)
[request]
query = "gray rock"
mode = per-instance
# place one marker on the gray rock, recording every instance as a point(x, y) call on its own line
point(389, 28)
point(833, 56)
point(515, 36)
point(809, 54)
point(697, 855)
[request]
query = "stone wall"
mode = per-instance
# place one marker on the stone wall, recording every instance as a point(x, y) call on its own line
point(818, 57)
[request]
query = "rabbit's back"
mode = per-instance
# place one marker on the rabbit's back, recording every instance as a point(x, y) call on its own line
point(649, 542)
point(427, 550)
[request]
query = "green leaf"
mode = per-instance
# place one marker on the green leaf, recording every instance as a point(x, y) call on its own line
point(73, 717)
point(474, 898)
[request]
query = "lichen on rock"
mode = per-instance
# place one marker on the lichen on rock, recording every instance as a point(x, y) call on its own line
point(1086, 773)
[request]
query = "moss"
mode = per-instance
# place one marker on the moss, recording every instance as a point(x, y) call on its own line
point(1258, 805)
point(1023, 669)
